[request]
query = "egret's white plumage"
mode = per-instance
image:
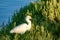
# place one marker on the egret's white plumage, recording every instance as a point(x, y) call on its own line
point(21, 29)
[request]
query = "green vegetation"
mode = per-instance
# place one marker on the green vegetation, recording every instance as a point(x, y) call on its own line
point(45, 22)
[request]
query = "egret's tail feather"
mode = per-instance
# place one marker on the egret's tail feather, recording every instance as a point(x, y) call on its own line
point(11, 31)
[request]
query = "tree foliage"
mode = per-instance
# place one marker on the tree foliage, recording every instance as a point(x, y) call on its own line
point(45, 21)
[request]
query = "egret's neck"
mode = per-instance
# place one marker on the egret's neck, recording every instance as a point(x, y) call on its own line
point(29, 22)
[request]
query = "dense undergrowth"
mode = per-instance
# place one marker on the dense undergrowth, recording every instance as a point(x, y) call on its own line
point(45, 22)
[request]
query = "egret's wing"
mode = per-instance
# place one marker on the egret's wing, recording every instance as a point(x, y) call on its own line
point(20, 29)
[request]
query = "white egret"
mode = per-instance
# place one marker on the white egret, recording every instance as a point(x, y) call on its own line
point(21, 29)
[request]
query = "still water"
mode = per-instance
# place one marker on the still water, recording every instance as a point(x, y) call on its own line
point(7, 8)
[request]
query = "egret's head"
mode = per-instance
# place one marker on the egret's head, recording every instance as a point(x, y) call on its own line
point(28, 17)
